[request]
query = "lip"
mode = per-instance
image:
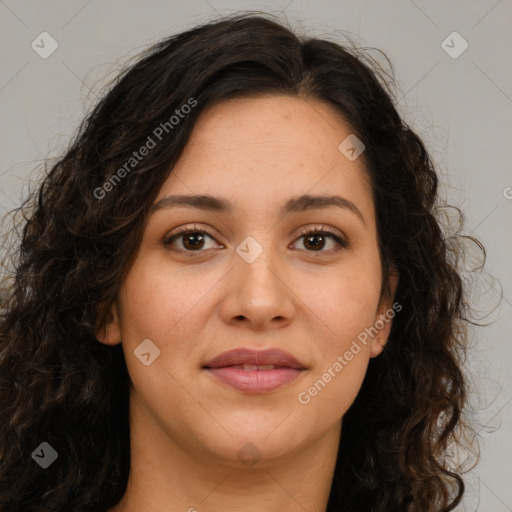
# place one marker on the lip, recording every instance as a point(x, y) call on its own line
point(226, 368)
point(256, 357)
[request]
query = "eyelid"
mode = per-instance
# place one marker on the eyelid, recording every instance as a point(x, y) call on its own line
point(315, 228)
point(188, 229)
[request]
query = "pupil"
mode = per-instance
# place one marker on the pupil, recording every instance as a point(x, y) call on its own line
point(311, 237)
point(197, 242)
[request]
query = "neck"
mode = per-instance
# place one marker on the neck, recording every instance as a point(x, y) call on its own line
point(168, 473)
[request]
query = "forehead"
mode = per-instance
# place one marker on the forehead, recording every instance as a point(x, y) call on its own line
point(279, 122)
point(258, 151)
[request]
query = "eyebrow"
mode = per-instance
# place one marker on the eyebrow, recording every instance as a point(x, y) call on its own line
point(294, 205)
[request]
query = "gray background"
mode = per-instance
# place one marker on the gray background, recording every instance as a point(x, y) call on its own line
point(461, 107)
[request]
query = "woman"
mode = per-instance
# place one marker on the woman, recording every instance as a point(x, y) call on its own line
point(233, 292)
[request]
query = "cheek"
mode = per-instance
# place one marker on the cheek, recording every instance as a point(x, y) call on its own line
point(345, 300)
point(330, 393)
point(342, 358)
point(157, 298)
point(172, 309)
point(344, 307)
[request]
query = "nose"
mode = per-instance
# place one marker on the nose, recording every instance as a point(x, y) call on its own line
point(258, 293)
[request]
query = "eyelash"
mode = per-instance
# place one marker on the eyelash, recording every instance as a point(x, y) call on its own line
point(323, 231)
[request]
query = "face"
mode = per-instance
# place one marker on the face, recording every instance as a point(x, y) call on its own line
point(264, 272)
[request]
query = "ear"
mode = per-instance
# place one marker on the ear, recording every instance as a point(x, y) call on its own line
point(385, 314)
point(110, 332)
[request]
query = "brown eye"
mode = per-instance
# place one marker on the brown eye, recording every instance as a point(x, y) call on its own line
point(315, 241)
point(191, 240)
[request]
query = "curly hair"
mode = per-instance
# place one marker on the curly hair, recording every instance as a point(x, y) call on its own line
point(60, 385)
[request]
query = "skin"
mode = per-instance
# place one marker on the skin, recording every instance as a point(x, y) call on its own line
point(186, 426)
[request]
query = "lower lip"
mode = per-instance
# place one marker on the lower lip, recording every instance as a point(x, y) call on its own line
point(255, 381)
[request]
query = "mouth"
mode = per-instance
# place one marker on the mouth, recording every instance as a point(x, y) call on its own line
point(255, 371)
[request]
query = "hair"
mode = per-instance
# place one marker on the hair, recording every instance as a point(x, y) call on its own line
point(58, 384)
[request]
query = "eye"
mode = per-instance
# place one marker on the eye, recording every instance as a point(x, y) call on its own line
point(192, 240)
point(315, 239)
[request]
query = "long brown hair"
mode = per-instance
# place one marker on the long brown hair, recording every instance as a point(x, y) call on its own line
point(78, 235)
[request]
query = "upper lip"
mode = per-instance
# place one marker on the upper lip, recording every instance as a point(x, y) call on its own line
point(272, 356)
